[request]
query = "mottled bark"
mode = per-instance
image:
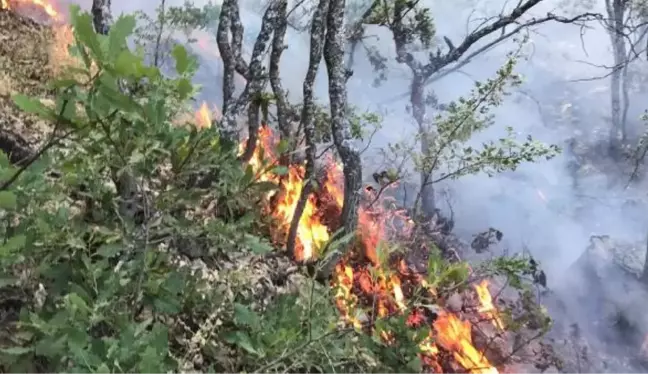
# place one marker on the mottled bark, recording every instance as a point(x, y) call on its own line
point(349, 154)
point(318, 30)
point(229, 128)
point(278, 47)
point(101, 16)
point(257, 78)
point(616, 10)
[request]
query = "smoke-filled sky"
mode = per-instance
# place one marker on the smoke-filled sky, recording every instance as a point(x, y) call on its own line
point(536, 207)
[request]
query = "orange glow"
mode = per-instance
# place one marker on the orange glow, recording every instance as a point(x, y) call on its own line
point(312, 234)
point(47, 6)
point(487, 308)
point(378, 222)
point(203, 117)
point(455, 336)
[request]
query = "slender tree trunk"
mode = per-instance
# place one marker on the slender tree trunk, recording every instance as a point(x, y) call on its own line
point(318, 30)
point(160, 31)
point(257, 79)
point(278, 47)
point(334, 57)
point(419, 111)
point(616, 11)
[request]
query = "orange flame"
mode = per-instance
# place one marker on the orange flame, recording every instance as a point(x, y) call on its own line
point(203, 117)
point(455, 336)
point(45, 5)
point(378, 221)
point(487, 308)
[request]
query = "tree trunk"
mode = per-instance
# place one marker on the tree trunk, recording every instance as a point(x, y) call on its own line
point(334, 57)
point(417, 99)
point(278, 47)
point(616, 11)
point(318, 30)
point(101, 16)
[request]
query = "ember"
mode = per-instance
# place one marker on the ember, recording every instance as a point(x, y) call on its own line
point(360, 281)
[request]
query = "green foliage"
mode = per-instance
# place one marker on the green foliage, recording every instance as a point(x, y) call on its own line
point(106, 285)
point(444, 153)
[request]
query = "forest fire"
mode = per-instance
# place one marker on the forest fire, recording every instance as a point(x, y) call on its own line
point(44, 5)
point(359, 281)
point(381, 286)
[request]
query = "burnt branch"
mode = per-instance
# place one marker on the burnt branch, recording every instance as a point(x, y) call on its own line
point(340, 127)
point(318, 31)
point(257, 78)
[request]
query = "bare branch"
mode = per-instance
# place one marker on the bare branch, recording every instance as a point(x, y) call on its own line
point(256, 79)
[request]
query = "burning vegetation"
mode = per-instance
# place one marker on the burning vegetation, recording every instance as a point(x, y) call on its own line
point(374, 282)
point(368, 290)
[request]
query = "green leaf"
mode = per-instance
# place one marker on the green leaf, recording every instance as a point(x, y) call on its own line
point(241, 339)
point(184, 88)
point(16, 351)
point(14, 244)
point(128, 64)
point(257, 245)
point(243, 316)
point(103, 368)
point(85, 33)
point(4, 160)
point(109, 250)
point(280, 170)
point(78, 302)
point(33, 106)
point(182, 61)
point(118, 34)
point(8, 200)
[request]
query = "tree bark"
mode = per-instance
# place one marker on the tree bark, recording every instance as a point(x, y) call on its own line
point(349, 154)
point(318, 30)
point(101, 16)
point(278, 47)
point(256, 79)
point(616, 10)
